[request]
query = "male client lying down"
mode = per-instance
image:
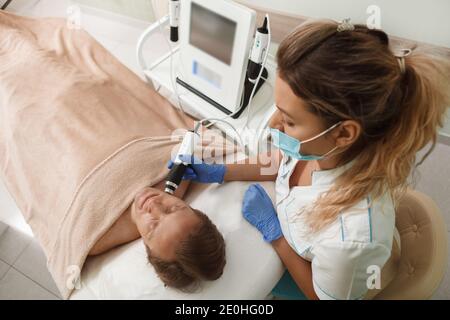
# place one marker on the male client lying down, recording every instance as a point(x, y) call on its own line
point(81, 139)
point(183, 245)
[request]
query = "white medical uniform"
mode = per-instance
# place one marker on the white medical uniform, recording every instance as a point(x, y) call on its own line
point(342, 252)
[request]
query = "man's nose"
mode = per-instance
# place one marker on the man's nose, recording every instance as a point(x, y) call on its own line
point(156, 209)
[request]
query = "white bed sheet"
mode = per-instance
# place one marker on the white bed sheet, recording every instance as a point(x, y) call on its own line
point(252, 270)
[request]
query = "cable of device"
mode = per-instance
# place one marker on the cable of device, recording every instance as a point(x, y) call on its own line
point(259, 77)
point(172, 75)
point(250, 103)
point(222, 120)
point(6, 4)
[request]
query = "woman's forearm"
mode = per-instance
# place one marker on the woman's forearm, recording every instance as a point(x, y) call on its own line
point(246, 172)
point(299, 268)
point(261, 168)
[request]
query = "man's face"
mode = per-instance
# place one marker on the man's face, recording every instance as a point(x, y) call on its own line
point(163, 221)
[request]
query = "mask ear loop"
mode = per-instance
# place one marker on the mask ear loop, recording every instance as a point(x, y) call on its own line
point(323, 133)
point(326, 155)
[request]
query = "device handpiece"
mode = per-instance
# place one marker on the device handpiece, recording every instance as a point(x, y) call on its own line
point(175, 176)
point(258, 51)
point(174, 11)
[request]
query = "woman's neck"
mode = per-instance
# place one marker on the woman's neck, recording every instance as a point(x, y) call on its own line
point(328, 164)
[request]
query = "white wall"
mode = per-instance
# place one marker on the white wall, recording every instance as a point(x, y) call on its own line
point(138, 9)
point(421, 20)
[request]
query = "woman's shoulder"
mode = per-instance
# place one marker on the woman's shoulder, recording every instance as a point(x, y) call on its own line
point(369, 221)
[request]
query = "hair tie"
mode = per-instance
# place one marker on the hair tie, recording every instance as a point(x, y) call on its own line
point(345, 25)
point(401, 58)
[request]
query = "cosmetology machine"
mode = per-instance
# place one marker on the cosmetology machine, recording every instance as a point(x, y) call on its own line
point(212, 41)
point(215, 42)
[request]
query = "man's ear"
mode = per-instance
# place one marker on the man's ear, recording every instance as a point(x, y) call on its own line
point(347, 133)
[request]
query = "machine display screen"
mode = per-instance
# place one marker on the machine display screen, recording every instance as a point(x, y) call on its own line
point(212, 33)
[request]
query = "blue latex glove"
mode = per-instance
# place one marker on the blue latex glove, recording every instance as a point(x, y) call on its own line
point(258, 209)
point(201, 172)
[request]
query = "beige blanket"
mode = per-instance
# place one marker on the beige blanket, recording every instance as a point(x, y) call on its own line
point(80, 134)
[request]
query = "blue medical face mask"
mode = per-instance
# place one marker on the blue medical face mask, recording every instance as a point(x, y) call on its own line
point(291, 146)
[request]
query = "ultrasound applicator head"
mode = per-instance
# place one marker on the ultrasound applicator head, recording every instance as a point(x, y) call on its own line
point(175, 178)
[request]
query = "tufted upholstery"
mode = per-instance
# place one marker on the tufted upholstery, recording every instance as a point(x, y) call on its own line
point(417, 270)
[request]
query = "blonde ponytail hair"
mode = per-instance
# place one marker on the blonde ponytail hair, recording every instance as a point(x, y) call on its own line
point(355, 75)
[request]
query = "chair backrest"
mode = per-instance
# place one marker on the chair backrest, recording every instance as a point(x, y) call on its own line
point(423, 257)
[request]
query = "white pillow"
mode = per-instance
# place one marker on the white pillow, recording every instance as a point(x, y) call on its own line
point(252, 270)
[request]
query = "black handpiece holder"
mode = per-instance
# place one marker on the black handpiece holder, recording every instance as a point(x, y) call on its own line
point(248, 86)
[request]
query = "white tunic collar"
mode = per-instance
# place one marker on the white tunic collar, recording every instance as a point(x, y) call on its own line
point(319, 177)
